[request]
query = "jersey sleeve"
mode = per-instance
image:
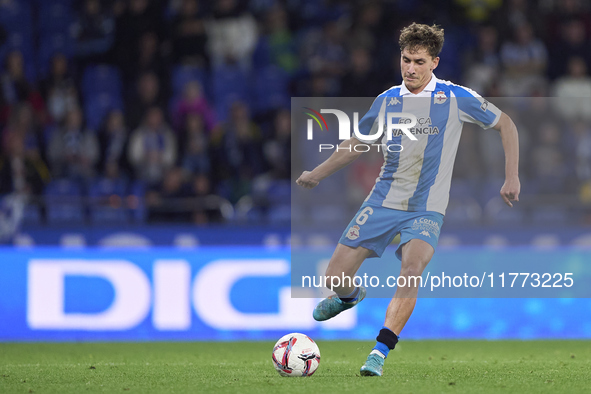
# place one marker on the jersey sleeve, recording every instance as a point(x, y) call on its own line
point(368, 125)
point(475, 109)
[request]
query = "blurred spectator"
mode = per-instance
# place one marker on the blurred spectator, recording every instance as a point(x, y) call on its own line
point(566, 11)
point(524, 60)
point(237, 147)
point(478, 10)
point(189, 35)
point(15, 88)
point(94, 32)
point(21, 124)
point(368, 26)
point(548, 160)
point(195, 146)
point(152, 148)
point(280, 40)
point(469, 163)
point(201, 187)
point(20, 173)
point(113, 145)
point(59, 89)
point(582, 133)
point(491, 149)
point(391, 76)
point(318, 85)
point(360, 80)
point(150, 58)
point(483, 64)
point(233, 34)
point(73, 150)
point(162, 199)
point(327, 48)
point(277, 149)
point(513, 14)
point(326, 52)
point(135, 17)
point(148, 94)
point(3, 35)
point(571, 42)
point(529, 121)
point(194, 102)
point(575, 91)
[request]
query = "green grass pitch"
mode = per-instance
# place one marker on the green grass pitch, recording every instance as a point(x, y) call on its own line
point(246, 367)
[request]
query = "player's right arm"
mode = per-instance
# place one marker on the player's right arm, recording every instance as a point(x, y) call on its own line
point(344, 155)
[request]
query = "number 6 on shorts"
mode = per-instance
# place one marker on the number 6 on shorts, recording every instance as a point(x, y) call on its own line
point(364, 215)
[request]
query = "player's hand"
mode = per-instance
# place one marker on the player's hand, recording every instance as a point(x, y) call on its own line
point(510, 191)
point(306, 180)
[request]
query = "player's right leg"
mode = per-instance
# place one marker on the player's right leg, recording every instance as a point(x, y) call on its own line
point(343, 265)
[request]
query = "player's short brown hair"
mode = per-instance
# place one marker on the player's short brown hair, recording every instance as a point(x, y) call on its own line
point(418, 36)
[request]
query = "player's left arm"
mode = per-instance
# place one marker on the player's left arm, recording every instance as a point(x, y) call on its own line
point(508, 130)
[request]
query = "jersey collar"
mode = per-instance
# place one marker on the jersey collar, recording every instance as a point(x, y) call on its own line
point(429, 88)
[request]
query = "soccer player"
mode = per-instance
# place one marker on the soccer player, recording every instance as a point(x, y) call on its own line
point(412, 191)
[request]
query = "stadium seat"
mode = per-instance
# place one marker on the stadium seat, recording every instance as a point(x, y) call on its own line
point(463, 210)
point(50, 45)
point(63, 188)
point(488, 189)
point(270, 89)
point(32, 215)
point(279, 192)
point(45, 3)
point(550, 215)
point(107, 205)
point(497, 212)
point(461, 188)
point(98, 106)
point(101, 79)
point(23, 43)
point(48, 133)
point(326, 215)
point(11, 215)
point(255, 215)
point(230, 84)
point(261, 56)
point(181, 75)
point(64, 202)
point(16, 16)
point(224, 189)
point(135, 202)
point(279, 214)
point(55, 16)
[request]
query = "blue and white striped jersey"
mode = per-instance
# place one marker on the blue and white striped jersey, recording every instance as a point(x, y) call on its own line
point(419, 177)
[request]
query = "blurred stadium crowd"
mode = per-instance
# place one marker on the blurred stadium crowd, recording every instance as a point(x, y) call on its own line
point(178, 110)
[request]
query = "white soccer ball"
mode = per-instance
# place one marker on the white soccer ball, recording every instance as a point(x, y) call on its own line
point(296, 355)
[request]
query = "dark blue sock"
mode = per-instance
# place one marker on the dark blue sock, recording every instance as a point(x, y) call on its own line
point(386, 341)
point(350, 297)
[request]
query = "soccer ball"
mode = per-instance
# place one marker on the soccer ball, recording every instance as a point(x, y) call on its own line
point(296, 355)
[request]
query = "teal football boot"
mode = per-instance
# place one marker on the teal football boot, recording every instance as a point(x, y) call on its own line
point(333, 305)
point(373, 366)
